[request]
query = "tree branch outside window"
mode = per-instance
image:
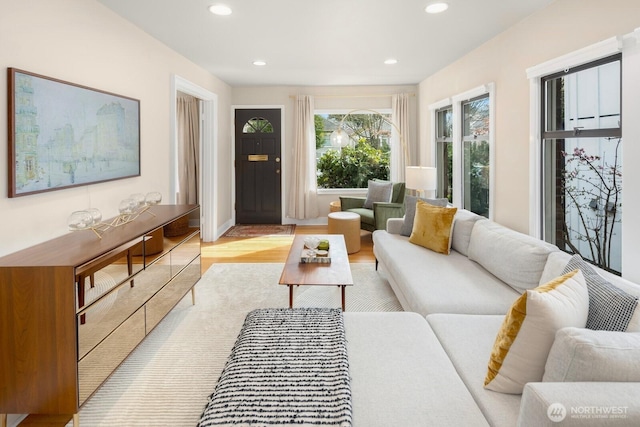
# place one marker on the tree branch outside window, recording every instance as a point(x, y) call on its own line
point(592, 189)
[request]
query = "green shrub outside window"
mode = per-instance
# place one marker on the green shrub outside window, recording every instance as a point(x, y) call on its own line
point(365, 157)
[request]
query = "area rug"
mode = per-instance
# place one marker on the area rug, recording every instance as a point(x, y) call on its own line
point(166, 381)
point(288, 367)
point(260, 230)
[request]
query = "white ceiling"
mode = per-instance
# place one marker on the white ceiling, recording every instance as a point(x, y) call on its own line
point(323, 42)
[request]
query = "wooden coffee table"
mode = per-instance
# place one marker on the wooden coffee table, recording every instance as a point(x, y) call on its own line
point(337, 273)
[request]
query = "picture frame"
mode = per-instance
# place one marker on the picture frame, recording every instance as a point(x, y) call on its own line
point(64, 135)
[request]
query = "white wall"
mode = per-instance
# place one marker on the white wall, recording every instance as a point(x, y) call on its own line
point(83, 42)
point(562, 27)
point(334, 97)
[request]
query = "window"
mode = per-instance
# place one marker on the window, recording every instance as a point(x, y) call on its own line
point(363, 157)
point(257, 125)
point(462, 141)
point(444, 152)
point(581, 161)
point(475, 155)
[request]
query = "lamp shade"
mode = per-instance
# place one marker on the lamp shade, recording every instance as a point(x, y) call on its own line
point(421, 178)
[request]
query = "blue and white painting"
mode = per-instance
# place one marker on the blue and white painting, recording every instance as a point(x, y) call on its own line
point(67, 135)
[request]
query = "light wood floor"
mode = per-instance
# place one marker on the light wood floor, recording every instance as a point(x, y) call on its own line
point(271, 249)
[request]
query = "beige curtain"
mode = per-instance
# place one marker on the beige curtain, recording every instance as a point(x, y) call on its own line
point(400, 143)
point(188, 148)
point(302, 200)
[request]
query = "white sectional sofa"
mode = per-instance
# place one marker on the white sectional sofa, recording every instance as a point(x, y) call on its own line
point(402, 377)
point(428, 367)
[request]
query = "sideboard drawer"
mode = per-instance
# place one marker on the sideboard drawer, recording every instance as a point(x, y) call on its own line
point(100, 362)
point(183, 254)
point(109, 311)
point(172, 293)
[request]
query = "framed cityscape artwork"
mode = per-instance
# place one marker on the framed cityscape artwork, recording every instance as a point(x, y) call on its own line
point(65, 135)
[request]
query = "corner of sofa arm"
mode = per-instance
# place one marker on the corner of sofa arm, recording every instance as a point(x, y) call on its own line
point(394, 225)
point(383, 211)
point(580, 404)
point(350, 202)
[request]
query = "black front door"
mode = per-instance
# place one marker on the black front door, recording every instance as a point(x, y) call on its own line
point(258, 167)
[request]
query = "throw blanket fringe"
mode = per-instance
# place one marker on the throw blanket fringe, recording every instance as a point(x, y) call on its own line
point(288, 367)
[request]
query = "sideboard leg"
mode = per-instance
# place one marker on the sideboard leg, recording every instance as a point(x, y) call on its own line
point(76, 420)
point(193, 295)
point(3, 420)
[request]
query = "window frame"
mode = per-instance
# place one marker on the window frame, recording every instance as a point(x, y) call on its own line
point(589, 54)
point(583, 133)
point(456, 102)
point(335, 111)
point(553, 141)
point(466, 184)
point(440, 147)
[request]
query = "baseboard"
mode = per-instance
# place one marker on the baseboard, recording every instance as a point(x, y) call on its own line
point(223, 229)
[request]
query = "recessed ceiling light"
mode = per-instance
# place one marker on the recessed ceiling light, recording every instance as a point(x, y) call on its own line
point(259, 63)
point(436, 7)
point(391, 61)
point(220, 9)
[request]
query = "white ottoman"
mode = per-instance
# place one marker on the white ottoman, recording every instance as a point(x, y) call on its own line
point(347, 224)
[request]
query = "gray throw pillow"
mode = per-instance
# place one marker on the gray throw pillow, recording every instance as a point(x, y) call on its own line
point(410, 211)
point(610, 308)
point(378, 191)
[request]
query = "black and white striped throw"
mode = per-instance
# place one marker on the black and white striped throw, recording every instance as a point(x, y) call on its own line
point(288, 367)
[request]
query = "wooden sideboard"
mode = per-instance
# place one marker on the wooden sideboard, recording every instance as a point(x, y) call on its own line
point(73, 308)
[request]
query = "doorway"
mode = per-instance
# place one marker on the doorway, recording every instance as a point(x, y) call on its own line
point(258, 173)
point(208, 194)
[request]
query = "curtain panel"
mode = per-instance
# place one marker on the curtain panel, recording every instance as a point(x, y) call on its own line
point(399, 137)
point(188, 148)
point(302, 197)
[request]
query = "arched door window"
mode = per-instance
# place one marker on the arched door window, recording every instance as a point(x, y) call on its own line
point(257, 125)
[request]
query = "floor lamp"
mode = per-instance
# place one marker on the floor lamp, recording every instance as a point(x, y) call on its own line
point(422, 179)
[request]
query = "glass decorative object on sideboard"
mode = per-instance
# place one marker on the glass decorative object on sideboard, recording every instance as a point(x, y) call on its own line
point(153, 198)
point(127, 206)
point(96, 215)
point(129, 209)
point(138, 198)
point(80, 220)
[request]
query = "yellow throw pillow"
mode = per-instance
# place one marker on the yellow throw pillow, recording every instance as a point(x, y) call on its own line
point(432, 227)
point(523, 343)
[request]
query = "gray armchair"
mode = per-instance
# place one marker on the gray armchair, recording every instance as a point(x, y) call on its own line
point(376, 218)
